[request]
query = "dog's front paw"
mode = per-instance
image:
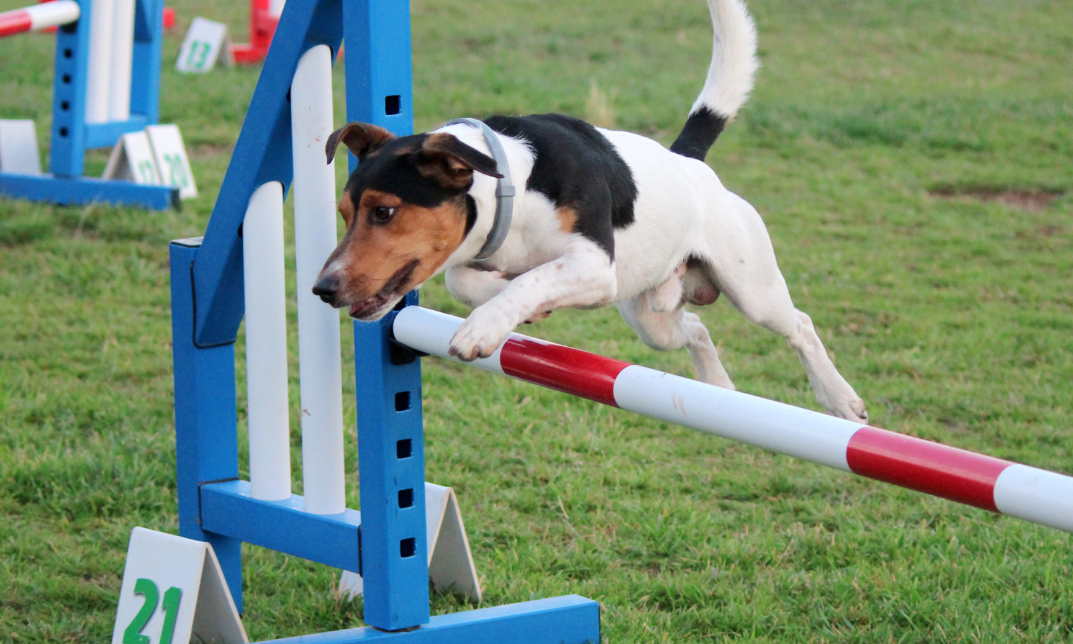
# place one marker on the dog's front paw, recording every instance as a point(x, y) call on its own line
point(480, 335)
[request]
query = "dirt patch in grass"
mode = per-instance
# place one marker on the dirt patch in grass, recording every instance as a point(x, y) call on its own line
point(1028, 199)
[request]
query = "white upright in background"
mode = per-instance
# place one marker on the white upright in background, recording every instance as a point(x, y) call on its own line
point(268, 411)
point(98, 81)
point(275, 7)
point(122, 59)
point(319, 361)
point(174, 591)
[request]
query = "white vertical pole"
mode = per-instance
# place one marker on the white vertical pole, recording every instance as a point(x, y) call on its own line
point(100, 61)
point(122, 60)
point(320, 364)
point(275, 7)
point(266, 344)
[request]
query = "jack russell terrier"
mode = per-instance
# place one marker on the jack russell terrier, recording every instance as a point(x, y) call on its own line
point(605, 217)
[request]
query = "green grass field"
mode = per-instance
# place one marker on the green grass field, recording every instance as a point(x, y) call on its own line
point(914, 163)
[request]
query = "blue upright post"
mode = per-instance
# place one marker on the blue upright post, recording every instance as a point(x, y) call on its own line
point(390, 445)
point(206, 425)
point(67, 148)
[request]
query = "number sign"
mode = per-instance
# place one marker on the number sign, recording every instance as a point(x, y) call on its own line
point(170, 154)
point(173, 593)
point(202, 47)
point(132, 160)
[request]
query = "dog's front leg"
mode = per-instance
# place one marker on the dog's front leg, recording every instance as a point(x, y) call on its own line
point(583, 276)
point(472, 286)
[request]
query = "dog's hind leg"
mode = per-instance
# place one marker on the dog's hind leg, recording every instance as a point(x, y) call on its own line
point(669, 330)
point(751, 280)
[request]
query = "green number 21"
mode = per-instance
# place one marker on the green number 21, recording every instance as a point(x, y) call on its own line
point(146, 587)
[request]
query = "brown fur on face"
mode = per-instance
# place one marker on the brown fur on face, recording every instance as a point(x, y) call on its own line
point(397, 255)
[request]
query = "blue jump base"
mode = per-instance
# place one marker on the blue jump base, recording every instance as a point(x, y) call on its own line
point(384, 543)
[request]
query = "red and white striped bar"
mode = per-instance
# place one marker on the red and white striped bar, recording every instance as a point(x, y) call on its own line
point(39, 16)
point(993, 484)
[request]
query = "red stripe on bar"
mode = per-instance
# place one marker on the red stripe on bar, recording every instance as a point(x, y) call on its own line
point(561, 368)
point(924, 466)
point(15, 22)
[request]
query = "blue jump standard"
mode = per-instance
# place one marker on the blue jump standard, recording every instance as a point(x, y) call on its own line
point(385, 543)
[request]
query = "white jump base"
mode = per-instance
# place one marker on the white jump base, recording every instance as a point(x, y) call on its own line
point(982, 481)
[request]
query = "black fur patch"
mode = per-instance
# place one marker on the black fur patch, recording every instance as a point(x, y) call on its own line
point(701, 130)
point(471, 214)
point(577, 168)
point(391, 169)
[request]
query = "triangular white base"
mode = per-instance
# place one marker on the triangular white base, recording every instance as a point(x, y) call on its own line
point(191, 599)
point(18, 147)
point(132, 160)
point(450, 562)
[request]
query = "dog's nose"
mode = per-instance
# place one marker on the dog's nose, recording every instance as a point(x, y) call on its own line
point(326, 288)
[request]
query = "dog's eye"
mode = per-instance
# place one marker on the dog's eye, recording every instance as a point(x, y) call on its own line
point(381, 215)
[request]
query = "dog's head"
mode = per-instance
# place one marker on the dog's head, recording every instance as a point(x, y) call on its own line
point(406, 210)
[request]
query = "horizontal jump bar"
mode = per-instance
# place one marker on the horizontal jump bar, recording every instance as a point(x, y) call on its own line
point(990, 483)
point(41, 16)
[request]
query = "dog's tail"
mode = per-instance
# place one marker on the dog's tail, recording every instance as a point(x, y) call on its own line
point(730, 78)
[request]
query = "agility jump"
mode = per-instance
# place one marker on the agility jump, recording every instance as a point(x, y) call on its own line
point(106, 84)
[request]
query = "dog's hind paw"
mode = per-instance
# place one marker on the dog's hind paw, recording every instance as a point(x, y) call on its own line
point(858, 408)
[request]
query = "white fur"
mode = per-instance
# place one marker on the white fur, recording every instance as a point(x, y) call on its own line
point(730, 76)
point(682, 210)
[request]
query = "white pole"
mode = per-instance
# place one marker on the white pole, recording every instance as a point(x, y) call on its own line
point(122, 60)
point(275, 7)
point(320, 365)
point(98, 80)
point(266, 344)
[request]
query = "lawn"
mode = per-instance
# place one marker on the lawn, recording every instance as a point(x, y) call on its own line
point(913, 161)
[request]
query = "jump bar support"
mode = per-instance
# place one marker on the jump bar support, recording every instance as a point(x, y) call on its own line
point(993, 484)
point(229, 509)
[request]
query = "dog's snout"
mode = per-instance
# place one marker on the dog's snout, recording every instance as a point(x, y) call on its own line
point(326, 288)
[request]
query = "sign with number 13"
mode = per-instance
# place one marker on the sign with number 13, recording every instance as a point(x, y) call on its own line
point(202, 47)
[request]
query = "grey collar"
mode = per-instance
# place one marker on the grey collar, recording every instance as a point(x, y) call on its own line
point(504, 190)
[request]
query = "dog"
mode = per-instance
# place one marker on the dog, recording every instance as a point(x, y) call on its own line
point(605, 217)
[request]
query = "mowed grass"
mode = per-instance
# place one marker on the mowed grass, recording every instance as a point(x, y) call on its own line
point(883, 145)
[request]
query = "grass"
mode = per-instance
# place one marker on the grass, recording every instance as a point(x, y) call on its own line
point(877, 144)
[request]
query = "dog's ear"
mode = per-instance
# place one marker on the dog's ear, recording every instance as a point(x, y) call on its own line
point(359, 138)
point(451, 162)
